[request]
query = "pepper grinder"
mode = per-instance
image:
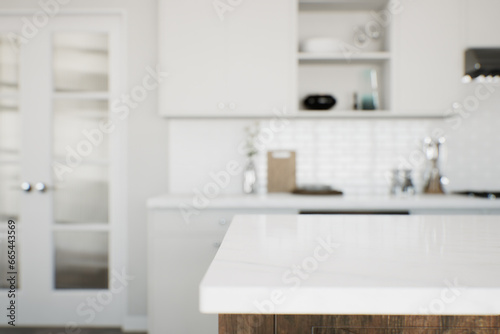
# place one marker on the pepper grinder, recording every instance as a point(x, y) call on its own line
point(434, 182)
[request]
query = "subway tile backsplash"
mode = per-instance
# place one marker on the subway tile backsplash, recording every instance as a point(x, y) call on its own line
point(353, 155)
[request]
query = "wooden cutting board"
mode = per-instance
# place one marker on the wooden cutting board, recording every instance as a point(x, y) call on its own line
point(280, 171)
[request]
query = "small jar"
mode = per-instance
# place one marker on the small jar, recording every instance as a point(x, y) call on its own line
point(402, 184)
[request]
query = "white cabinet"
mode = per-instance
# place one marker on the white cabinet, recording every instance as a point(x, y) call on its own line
point(234, 58)
point(226, 58)
point(481, 23)
point(427, 56)
point(179, 254)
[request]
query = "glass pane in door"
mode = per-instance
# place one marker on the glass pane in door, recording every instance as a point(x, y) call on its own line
point(81, 260)
point(78, 130)
point(80, 62)
point(10, 137)
point(9, 192)
point(82, 198)
point(9, 68)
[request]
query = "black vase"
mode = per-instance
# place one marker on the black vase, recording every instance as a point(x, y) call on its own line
point(319, 102)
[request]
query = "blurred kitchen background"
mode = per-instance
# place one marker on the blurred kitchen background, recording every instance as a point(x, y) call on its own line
point(250, 66)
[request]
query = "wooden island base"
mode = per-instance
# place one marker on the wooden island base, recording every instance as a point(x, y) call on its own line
point(357, 324)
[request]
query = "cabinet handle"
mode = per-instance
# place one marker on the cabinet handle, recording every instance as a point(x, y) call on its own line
point(222, 221)
point(232, 105)
point(221, 105)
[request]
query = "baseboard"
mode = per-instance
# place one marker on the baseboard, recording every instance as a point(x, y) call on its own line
point(138, 323)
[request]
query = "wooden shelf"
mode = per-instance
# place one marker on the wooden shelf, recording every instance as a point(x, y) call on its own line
point(339, 57)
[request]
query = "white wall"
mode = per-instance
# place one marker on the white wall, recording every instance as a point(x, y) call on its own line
point(147, 134)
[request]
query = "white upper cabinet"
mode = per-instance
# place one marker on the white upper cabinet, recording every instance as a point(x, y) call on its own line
point(428, 55)
point(482, 24)
point(226, 57)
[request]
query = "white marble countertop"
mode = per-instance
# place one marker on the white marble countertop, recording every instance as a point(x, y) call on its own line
point(295, 264)
point(319, 202)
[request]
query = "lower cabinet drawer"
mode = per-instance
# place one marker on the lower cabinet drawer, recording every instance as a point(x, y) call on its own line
point(178, 268)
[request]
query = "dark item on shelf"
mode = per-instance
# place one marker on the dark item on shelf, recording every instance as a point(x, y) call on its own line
point(481, 194)
point(319, 102)
point(316, 190)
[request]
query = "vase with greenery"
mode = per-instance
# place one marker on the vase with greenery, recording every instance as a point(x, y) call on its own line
point(250, 172)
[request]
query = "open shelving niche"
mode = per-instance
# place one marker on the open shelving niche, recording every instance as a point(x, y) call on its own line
point(339, 73)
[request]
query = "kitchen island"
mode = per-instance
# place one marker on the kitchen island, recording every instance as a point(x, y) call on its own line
point(345, 274)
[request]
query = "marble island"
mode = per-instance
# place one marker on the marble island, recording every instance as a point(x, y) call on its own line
point(431, 271)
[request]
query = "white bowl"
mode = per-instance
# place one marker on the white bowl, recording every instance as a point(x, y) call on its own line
point(320, 45)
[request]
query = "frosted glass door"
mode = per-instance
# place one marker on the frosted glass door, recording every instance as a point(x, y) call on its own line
point(55, 93)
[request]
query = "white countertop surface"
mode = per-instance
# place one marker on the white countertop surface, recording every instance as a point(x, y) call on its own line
point(319, 202)
point(295, 264)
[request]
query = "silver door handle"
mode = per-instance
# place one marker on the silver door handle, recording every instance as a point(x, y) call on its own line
point(41, 187)
point(26, 186)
